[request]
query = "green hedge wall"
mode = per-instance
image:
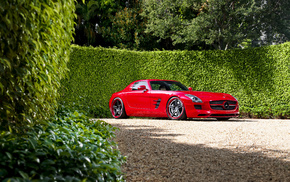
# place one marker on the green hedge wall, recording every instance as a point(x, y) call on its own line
point(35, 39)
point(258, 78)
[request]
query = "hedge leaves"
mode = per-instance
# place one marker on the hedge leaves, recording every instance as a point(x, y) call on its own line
point(258, 78)
point(34, 46)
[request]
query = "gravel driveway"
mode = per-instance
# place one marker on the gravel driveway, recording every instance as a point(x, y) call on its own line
point(204, 150)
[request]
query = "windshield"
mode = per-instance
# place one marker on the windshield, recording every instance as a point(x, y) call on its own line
point(168, 85)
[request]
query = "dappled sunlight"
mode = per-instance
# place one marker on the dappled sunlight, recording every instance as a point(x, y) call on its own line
point(204, 150)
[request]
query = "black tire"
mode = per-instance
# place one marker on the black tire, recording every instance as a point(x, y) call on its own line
point(222, 119)
point(175, 109)
point(118, 109)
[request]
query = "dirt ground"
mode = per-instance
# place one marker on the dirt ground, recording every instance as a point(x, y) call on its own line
point(204, 150)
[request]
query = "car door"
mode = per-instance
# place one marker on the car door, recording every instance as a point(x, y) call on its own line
point(158, 98)
point(139, 99)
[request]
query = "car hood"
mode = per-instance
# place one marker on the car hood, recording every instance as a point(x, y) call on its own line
point(208, 96)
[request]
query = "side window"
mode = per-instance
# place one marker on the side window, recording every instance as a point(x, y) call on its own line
point(175, 87)
point(137, 84)
point(155, 86)
point(159, 85)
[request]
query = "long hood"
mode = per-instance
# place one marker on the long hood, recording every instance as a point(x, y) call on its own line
point(208, 96)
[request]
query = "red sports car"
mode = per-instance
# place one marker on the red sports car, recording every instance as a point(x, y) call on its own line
point(168, 98)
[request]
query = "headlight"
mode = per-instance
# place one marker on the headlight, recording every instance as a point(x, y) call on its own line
point(193, 98)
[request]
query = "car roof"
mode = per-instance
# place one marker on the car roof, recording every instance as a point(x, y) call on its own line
point(132, 83)
point(155, 80)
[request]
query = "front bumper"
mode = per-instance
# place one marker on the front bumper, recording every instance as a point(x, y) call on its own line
point(203, 110)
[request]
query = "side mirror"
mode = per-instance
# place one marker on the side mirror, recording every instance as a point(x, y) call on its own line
point(142, 87)
point(189, 88)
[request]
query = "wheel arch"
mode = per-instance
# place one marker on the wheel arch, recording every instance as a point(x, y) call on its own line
point(176, 96)
point(113, 98)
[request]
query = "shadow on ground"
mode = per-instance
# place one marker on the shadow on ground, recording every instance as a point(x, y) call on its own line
point(207, 119)
point(150, 157)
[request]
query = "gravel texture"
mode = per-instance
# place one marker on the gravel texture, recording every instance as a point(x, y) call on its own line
point(204, 149)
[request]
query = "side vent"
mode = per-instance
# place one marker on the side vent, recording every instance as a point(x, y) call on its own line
point(157, 103)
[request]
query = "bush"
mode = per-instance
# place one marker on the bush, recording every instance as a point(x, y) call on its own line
point(35, 37)
point(258, 78)
point(70, 148)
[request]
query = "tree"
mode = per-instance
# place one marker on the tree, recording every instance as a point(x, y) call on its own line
point(221, 24)
point(218, 23)
point(111, 23)
point(91, 15)
point(127, 28)
point(182, 24)
point(275, 21)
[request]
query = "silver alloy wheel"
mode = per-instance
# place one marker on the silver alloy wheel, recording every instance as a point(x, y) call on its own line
point(117, 108)
point(175, 108)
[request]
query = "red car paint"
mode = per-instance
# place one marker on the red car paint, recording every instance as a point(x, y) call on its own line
point(141, 100)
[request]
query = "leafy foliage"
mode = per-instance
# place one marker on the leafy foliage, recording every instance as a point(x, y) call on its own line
point(220, 24)
point(92, 14)
point(35, 36)
point(258, 78)
point(94, 75)
point(70, 148)
point(127, 29)
point(111, 23)
point(276, 20)
point(183, 24)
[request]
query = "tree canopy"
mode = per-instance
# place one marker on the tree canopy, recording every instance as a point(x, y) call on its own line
point(182, 24)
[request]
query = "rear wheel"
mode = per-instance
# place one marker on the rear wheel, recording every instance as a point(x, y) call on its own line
point(175, 109)
point(118, 109)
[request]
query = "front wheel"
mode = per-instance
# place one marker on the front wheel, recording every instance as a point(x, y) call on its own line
point(118, 109)
point(175, 109)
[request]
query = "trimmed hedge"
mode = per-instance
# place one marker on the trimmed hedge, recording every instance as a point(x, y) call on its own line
point(258, 78)
point(35, 37)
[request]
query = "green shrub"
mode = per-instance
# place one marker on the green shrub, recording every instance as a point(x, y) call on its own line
point(258, 78)
point(70, 148)
point(34, 45)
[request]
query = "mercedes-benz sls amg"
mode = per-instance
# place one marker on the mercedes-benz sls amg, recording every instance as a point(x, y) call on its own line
point(171, 99)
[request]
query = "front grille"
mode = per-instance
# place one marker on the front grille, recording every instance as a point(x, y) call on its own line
point(223, 105)
point(222, 101)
